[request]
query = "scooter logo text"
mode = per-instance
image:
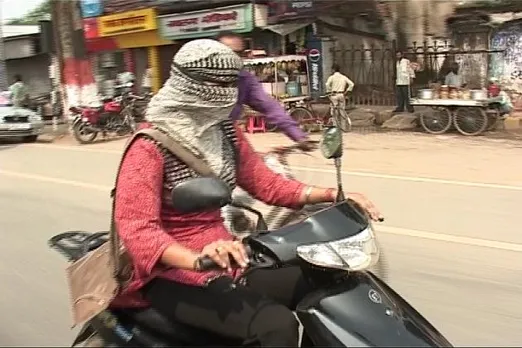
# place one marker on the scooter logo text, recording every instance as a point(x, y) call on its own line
point(374, 296)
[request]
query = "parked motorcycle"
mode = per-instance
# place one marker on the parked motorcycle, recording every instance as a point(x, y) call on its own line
point(138, 105)
point(350, 306)
point(113, 116)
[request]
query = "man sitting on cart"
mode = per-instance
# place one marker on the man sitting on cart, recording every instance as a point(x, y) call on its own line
point(251, 93)
point(454, 79)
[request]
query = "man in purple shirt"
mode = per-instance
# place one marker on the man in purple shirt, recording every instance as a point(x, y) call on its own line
point(251, 93)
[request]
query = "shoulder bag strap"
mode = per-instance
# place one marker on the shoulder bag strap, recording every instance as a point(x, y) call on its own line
point(197, 164)
point(184, 155)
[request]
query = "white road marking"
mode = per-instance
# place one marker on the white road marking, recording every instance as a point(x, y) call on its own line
point(52, 180)
point(380, 228)
point(412, 178)
point(78, 148)
point(486, 243)
point(329, 171)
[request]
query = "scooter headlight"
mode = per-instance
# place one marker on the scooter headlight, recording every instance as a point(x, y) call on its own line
point(354, 253)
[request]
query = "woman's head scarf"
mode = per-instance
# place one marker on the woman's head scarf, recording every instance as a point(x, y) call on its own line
point(197, 97)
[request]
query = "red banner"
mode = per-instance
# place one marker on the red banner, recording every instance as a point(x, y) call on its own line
point(90, 28)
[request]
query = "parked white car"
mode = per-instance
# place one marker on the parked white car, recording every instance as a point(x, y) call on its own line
point(18, 122)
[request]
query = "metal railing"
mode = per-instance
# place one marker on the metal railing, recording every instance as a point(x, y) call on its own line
point(372, 68)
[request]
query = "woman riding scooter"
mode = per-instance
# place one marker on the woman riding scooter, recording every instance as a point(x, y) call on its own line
point(166, 246)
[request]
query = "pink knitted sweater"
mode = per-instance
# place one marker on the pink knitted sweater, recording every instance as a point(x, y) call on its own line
point(147, 226)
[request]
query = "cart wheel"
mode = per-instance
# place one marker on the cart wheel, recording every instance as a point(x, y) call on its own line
point(304, 118)
point(470, 120)
point(436, 120)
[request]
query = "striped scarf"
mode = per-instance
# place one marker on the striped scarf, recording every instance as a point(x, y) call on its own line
point(197, 97)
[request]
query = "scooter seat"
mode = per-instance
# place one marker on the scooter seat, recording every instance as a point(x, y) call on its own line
point(153, 321)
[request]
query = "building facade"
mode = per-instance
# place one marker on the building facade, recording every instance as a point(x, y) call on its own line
point(125, 41)
point(205, 23)
point(24, 57)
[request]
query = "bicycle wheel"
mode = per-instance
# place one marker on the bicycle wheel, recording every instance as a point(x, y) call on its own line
point(304, 117)
point(342, 122)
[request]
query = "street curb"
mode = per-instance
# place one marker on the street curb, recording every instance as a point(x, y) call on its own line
point(512, 123)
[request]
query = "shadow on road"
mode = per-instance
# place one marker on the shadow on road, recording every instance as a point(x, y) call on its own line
point(6, 144)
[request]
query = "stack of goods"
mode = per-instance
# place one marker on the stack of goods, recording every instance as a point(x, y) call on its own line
point(282, 79)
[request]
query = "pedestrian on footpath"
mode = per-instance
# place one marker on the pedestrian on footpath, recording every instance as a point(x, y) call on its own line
point(404, 77)
point(339, 85)
point(251, 93)
point(19, 95)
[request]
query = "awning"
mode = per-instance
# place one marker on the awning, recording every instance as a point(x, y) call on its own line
point(287, 28)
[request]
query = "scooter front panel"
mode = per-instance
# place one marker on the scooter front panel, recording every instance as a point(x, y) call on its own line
point(364, 311)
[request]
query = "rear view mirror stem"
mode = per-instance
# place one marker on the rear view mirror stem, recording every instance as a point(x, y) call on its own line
point(340, 191)
point(261, 223)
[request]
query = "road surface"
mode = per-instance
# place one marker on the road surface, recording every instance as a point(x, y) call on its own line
point(452, 231)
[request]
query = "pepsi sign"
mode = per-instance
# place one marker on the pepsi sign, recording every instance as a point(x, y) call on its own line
point(315, 68)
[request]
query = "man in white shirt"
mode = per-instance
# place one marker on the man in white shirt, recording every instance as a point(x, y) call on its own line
point(146, 81)
point(338, 84)
point(404, 75)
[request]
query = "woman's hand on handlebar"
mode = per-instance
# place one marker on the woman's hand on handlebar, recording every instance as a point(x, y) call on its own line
point(315, 195)
point(221, 252)
point(366, 204)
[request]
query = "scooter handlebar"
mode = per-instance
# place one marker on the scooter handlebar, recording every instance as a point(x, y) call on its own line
point(207, 264)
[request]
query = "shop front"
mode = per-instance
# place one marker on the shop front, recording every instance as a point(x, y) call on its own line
point(183, 27)
point(206, 23)
point(297, 24)
point(124, 42)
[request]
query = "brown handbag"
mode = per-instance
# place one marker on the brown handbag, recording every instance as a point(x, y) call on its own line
point(96, 278)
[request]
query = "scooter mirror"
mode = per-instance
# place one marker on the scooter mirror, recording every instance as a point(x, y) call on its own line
point(332, 143)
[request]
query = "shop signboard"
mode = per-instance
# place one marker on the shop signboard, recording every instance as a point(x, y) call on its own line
point(290, 10)
point(206, 23)
point(127, 22)
point(315, 67)
point(91, 8)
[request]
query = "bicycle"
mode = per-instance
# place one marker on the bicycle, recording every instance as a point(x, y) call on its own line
point(311, 119)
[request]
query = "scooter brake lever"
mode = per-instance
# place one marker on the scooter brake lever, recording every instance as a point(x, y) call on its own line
point(264, 264)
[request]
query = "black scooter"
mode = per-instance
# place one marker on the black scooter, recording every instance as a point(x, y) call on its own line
point(349, 307)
